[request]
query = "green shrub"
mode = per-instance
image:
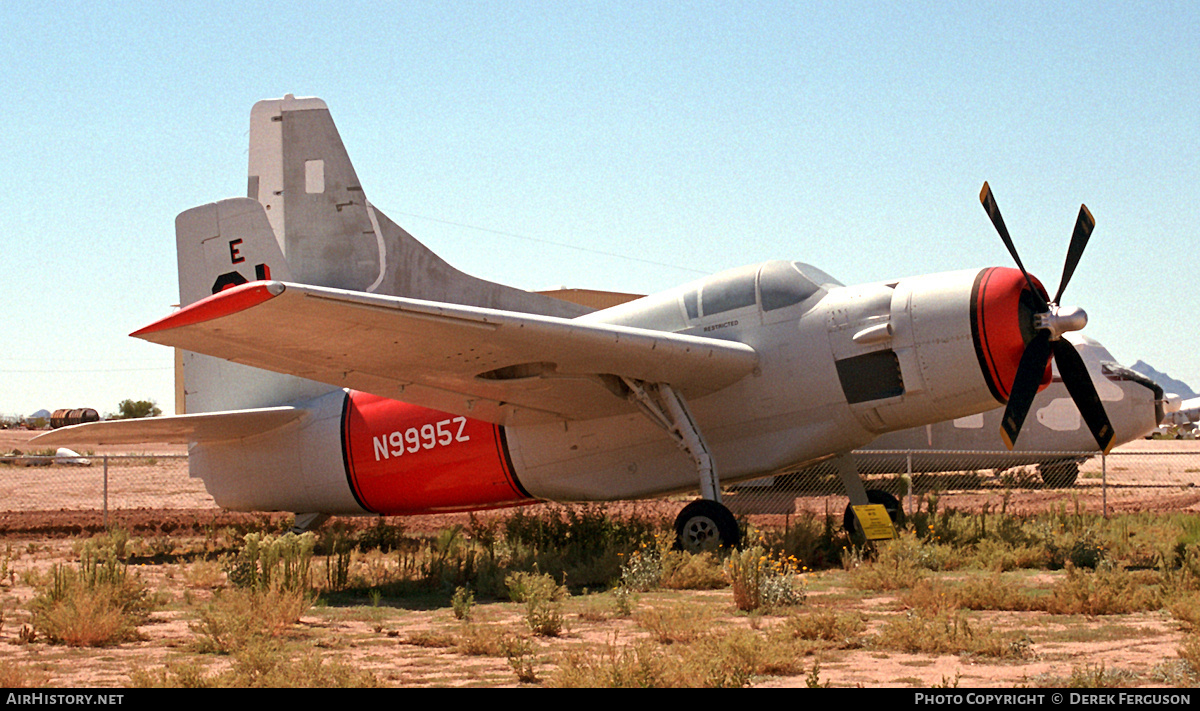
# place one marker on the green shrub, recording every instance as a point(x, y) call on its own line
point(828, 626)
point(265, 561)
point(241, 618)
point(542, 598)
point(676, 623)
point(948, 632)
point(462, 602)
point(337, 563)
point(95, 605)
point(643, 569)
point(896, 565)
point(584, 543)
point(811, 541)
point(1080, 550)
point(641, 665)
point(760, 581)
point(519, 653)
point(1108, 590)
point(692, 571)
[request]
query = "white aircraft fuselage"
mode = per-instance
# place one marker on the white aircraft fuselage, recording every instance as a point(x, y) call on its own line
point(904, 351)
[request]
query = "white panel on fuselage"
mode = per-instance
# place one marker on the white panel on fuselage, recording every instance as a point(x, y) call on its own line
point(970, 422)
point(1061, 415)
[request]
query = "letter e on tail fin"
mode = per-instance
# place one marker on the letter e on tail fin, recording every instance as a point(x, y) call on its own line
point(224, 244)
point(220, 245)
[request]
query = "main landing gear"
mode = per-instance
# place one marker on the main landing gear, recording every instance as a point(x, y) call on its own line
point(860, 495)
point(1059, 475)
point(875, 496)
point(704, 524)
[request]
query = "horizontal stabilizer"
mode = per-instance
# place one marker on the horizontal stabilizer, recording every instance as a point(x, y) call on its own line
point(498, 366)
point(178, 429)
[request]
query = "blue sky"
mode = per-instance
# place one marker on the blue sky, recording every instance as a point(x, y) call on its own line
point(607, 145)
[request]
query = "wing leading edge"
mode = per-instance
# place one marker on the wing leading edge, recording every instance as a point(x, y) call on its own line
point(493, 365)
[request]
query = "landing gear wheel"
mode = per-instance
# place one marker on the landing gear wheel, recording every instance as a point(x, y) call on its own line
point(1059, 475)
point(705, 525)
point(875, 496)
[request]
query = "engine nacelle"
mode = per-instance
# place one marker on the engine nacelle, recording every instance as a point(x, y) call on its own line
point(405, 459)
point(947, 344)
point(356, 453)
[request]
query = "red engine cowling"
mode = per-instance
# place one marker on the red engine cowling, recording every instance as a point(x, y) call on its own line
point(405, 459)
point(1001, 318)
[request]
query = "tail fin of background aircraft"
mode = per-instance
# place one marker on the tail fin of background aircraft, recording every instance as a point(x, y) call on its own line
point(333, 236)
point(220, 245)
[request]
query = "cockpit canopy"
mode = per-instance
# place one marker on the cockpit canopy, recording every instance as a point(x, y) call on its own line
point(769, 286)
point(779, 283)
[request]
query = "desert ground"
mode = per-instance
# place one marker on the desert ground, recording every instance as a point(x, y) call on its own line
point(418, 641)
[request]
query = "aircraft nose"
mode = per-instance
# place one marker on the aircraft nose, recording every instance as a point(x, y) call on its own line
point(1002, 311)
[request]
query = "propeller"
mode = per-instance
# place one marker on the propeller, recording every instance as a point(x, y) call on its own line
point(1050, 322)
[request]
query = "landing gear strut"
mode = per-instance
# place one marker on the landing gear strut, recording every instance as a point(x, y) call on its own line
point(704, 524)
point(308, 522)
point(860, 496)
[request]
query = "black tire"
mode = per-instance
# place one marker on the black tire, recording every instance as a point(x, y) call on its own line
point(1059, 475)
point(705, 525)
point(876, 496)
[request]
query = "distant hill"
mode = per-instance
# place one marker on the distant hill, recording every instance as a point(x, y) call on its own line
point(1169, 384)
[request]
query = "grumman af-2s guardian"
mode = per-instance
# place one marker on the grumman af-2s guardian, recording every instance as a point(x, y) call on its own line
point(333, 365)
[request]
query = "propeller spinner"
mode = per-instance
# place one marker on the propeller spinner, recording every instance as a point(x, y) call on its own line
point(1050, 322)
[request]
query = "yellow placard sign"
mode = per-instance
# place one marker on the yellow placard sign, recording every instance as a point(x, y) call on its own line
point(875, 522)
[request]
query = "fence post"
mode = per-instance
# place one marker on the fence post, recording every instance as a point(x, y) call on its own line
point(908, 467)
point(1104, 482)
point(105, 492)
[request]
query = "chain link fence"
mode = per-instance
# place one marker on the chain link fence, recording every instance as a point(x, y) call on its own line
point(1160, 477)
point(99, 483)
point(1154, 477)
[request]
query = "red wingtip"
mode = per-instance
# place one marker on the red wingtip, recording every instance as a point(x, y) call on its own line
point(222, 303)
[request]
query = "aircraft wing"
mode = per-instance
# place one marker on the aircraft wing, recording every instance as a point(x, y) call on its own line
point(1187, 412)
point(493, 365)
point(175, 429)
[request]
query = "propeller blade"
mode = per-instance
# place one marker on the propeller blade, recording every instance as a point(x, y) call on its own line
point(993, 211)
point(1075, 376)
point(1030, 372)
point(1084, 225)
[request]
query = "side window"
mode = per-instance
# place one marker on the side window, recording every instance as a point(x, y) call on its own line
point(782, 285)
point(816, 275)
point(691, 301)
point(728, 291)
point(727, 296)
